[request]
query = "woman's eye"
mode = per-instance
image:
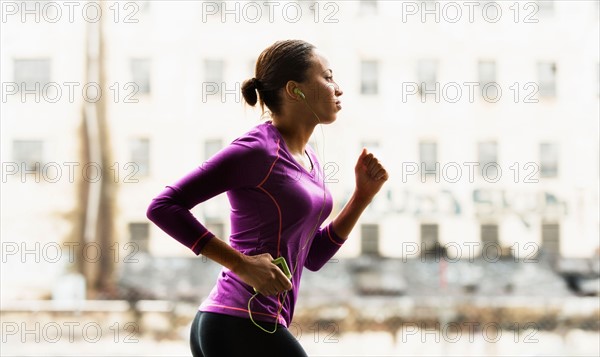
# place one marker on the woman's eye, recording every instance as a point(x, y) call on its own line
point(330, 78)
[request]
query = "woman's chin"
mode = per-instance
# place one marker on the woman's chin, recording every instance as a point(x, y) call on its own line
point(330, 119)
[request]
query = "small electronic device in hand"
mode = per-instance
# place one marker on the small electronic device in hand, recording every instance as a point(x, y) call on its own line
point(281, 263)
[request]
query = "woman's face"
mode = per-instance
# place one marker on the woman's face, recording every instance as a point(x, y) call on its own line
point(321, 91)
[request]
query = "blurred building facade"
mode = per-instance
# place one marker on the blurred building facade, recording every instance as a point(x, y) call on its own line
point(487, 123)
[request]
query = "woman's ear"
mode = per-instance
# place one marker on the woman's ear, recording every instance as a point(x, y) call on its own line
point(290, 93)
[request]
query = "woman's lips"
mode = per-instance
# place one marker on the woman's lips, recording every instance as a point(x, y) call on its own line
point(338, 104)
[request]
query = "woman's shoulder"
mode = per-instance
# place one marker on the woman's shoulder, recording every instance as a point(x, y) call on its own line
point(261, 138)
point(248, 157)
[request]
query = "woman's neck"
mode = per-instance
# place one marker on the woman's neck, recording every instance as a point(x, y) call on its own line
point(295, 133)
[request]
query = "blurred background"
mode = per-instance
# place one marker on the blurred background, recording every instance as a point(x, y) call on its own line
point(484, 242)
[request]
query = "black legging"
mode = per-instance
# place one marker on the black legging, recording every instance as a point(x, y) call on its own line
point(218, 335)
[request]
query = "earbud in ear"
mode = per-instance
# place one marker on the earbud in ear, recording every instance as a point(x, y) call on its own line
point(299, 92)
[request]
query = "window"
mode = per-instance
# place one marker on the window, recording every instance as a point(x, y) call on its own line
point(371, 145)
point(547, 79)
point(550, 239)
point(211, 147)
point(598, 77)
point(490, 243)
point(487, 72)
point(548, 160)
point(32, 72)
point(28, 154)
point(308, 8)
point(144, 6)
point(369, 77)
point(487, 76)
point(429, 239)
point(213, 74)
point(140, 74)
point(139, 235)
point(545, 7)
point(489, 234)
point(428, 157)
point(427, 75)
point(369, 244)
point(140, 155)
point(217, 228)
point(368, 7)
point(488, 160)
point(251, 68)
point(214, 5)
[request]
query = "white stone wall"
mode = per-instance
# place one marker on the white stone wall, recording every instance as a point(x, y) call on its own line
point(176, 118)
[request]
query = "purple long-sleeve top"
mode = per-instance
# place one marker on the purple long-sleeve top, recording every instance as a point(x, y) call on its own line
point(276, 208)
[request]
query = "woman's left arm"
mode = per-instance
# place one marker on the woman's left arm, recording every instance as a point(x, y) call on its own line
point(370, 177)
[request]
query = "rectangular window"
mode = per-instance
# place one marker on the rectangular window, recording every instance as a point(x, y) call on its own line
point(545, 7)
point(487, 153)
point(550, 239)
point(32, 72)
point(217, 228)
point(427, 75)
point(28, 154)
point(371, 145)
point(369, 77)
point(429, 239)
point(428, 157)
point(490, 242)
point(487, 77)
point(140, 155)
point(143, 6)
point(368, 7)
point(309, 6)
point(548, 160)
point(369, 243)
point(140, 74)
point(251, 68)
point(139, 236)
point(598, 76)
point(214, 7)
point(547, 79)
point(213, 74)
point(211, 147)
point(489, 234)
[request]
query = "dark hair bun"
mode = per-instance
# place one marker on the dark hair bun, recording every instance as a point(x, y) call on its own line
point(279, 63)
point(249, 91)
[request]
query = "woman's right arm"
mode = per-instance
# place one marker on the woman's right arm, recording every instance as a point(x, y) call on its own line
point(241, 164)
point(257, 271)
point(229, 169)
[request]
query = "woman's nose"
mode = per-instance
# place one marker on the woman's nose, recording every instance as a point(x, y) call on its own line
point(336, 89)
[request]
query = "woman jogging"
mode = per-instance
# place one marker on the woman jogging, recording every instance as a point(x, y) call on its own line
point(276, 189)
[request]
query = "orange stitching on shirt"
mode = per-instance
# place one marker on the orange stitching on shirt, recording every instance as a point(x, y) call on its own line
point(330, 238)
point(199, 239)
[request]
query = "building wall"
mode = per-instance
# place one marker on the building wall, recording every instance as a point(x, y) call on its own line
point(179, 114)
